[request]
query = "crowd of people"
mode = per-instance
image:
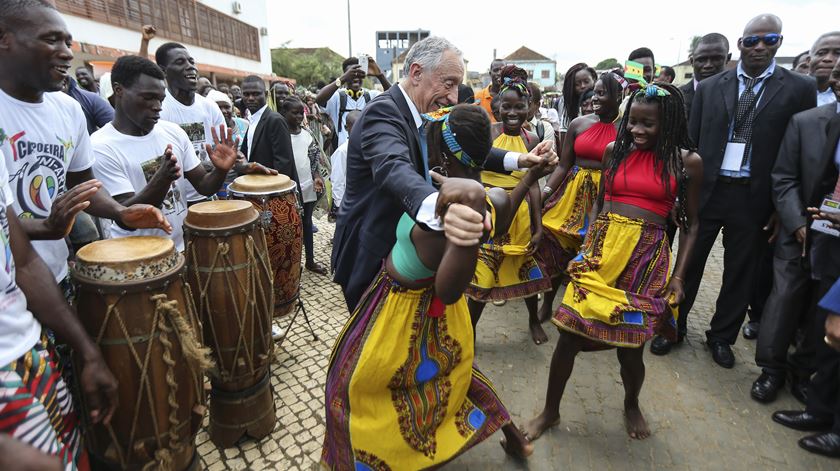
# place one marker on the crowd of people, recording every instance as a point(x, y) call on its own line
point(444, 199)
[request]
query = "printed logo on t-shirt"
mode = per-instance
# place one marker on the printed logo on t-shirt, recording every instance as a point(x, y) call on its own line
point(172, 201)
point(41, 172)
point(195, 131)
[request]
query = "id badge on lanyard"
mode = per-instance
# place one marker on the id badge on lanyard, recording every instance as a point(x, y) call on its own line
point(733, 156)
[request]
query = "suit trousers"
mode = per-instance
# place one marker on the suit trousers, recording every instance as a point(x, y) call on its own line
point(824, 397)
point(762, 282)
point(728, 209)
point(790, 304)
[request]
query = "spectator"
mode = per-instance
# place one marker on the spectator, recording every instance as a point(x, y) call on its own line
point(338, 101)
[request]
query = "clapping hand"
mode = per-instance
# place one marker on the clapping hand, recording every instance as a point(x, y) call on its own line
point(67, 205)
point(223, 152)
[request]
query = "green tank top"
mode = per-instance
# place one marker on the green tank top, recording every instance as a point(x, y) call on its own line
point(404, 254)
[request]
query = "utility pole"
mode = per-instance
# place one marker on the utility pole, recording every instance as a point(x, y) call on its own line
point(349, 34)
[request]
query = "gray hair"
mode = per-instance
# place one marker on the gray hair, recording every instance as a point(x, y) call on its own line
point(428, 53)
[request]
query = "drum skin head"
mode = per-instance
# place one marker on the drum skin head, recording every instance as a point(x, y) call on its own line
point(261, 183)
point(125, 250)
point(220, 214)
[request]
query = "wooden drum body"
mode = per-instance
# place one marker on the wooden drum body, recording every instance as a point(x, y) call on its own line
point(275, 197)
point(230, 275)
point(133, 302)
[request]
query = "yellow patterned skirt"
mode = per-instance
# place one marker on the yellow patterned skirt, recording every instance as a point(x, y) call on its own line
point(402, 392)
point(505, 269)
point(614, 297)
point(566, 218)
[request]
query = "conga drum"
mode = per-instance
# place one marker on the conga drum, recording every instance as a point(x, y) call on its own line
point(133, 301)
point(275, 197)
point(231, 280)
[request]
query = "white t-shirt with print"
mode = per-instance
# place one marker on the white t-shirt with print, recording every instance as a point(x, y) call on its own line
point(334, 107)
point(41, 142)
point(125, 164)
point(19, 330)
point(300, 147)
point(196, 120)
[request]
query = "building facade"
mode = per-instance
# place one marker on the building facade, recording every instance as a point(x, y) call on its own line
point(228, 39)
point(390, 45)
point(541, 69)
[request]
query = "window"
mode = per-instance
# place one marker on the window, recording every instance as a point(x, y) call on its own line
point(184, 21)
point(546, 74)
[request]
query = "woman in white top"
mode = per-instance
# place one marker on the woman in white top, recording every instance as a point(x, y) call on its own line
point(307, 158)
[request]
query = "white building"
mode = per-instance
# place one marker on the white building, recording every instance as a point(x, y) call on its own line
point(228, 39)
point(541, 69)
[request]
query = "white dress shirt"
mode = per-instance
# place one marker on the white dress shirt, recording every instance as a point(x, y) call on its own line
point(255, 120)
point(826, 97)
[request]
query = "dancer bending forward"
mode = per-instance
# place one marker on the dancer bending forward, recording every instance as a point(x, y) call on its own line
point(402, 391)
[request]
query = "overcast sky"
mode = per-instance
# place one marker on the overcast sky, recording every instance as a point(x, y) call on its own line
point(561, 30)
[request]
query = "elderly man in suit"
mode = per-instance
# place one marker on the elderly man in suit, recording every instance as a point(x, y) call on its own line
point(737, 119)
point(388, 171)
point(797, 171)
point(822, 411)
point(267, 141)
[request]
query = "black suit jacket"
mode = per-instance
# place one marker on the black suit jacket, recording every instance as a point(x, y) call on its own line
point(272, 145)
point(825, 256)
point(384, 179)
point(713, 110)
point(798, 170)
point(688, 97)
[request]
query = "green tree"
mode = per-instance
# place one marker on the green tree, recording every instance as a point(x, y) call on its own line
point(693, 44)
point(605, 64)
point(306, 67)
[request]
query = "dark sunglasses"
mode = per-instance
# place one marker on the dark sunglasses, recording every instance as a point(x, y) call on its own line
point(770, 39)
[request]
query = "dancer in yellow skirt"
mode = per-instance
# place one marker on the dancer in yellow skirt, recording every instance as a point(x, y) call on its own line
point(570, 192)
point(402, 390)
point(621, 291)
point(506, 267)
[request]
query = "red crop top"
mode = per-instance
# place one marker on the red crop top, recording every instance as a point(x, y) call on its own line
point(590, 144)
point(638, 181)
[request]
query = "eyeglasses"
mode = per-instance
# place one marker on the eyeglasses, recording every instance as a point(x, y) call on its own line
point(770, 39)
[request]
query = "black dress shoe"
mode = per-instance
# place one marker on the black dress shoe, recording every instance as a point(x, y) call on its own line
point(662, 346)
point(750, 330)
point(722, 354)
point(766, 387)
point(826, 444)
point(803, 420)
point(800, 388)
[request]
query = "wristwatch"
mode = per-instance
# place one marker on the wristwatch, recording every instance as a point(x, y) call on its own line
point(338, 82)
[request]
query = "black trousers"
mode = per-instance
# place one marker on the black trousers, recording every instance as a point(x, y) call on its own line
point(824, 397)
point(791, 303)
point(308, 235)
point(728, 209)
point(762, 282)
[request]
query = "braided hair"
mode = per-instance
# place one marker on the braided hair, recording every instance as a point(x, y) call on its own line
point(673, 138)
point(571, 101)
point(469, 128)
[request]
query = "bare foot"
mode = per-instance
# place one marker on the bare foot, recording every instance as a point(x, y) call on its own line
point(537, 333)
point(544, 313)
point(539, 424)
point(515, 443)
point(635, 422)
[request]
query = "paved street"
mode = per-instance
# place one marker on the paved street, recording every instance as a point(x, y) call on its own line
point(701, 415)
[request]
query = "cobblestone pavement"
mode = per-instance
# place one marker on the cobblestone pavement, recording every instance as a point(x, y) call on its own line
point(701, 415)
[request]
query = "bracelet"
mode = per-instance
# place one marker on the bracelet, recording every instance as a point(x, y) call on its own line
point(677, 278)
point(547, 189)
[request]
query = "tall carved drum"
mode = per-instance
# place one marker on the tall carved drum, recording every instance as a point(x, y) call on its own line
point(133, 302)
point(231, 280)
point(275, 196)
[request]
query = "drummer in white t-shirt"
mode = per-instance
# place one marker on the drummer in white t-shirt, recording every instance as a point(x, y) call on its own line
point(43, 136)
point(142, 159)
